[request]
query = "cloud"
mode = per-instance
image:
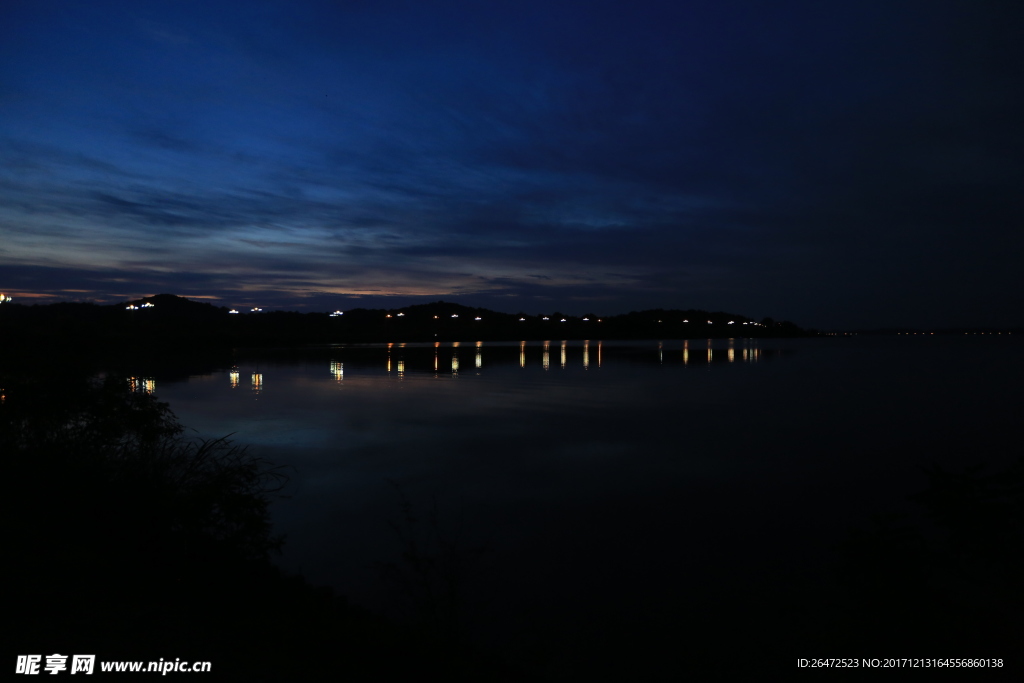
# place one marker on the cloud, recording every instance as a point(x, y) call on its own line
point(727, 155)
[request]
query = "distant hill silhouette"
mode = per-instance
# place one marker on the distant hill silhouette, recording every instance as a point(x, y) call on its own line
point(168, 320)
point(170, 305)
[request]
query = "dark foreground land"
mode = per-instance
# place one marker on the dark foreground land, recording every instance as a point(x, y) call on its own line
point(128, 541)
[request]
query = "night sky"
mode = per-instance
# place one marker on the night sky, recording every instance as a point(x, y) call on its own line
point(852, 164)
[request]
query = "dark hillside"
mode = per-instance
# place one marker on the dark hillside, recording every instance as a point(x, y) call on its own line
point(169, 322)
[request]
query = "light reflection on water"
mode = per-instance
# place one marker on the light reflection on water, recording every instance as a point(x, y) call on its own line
point(351, 418)
point(403, 358)
point(145, 385)
point(636, 458)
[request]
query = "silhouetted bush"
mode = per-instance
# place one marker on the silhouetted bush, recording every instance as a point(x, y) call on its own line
point(132, 541)
point(99, 450)
point(435, 572)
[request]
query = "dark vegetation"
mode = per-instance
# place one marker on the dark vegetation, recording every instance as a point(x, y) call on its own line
point(177, 322)
point(129, 540)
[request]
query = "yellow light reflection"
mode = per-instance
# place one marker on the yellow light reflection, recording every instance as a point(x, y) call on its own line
point(479, 359)
point(146, 385)
point(233, 379)
point(522, 354)
point(599, 352)
point(338, 370)
point(586, 354)
point(455, 364)
point(401, 368)
point(732, 355)
point(257, 382)
point(563, 354)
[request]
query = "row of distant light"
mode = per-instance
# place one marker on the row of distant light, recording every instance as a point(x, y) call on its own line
point(964, 333)
point(456, 315)
point(132, 307)
point(4, 298)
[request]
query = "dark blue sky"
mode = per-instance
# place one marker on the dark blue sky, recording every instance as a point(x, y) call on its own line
point(834, 163)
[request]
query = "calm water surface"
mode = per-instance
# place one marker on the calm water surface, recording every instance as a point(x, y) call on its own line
point(628, 493)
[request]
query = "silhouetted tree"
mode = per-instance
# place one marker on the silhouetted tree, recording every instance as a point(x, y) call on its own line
point(105, 473)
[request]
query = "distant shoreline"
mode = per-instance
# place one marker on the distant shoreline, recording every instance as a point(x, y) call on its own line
point(170, 323)
point(166, 320)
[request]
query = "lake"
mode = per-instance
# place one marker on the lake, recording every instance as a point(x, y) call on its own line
point(604, 506)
